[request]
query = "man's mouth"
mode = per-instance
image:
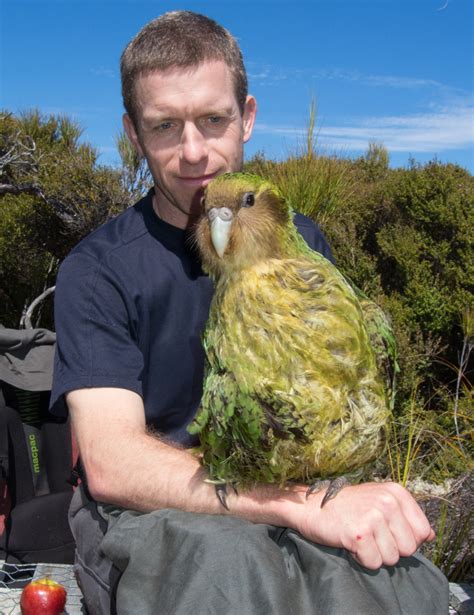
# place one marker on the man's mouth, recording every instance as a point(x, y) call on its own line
point(198, 181)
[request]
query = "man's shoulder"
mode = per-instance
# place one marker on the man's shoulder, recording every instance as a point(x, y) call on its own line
point(107, 251)
point(113, 235)
point(313, 235)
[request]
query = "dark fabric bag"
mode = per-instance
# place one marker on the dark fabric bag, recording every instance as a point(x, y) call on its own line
point(35, 453)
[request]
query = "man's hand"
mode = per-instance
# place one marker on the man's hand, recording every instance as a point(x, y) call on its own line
point(376, 522)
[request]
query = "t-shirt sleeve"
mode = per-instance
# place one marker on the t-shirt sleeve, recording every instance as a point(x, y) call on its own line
point(313, 236)
point(96, 334)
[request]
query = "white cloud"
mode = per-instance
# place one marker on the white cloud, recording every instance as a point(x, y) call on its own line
point(266, 74)
point(399, 82)
point(388, 81)
point(102, 71)
point(439, 130)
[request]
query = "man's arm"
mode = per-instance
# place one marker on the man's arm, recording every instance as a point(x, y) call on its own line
point(127, 466)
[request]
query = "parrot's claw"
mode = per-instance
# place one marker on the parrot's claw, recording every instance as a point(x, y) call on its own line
point(221, 492)
point(317, 486)
point(333, 488)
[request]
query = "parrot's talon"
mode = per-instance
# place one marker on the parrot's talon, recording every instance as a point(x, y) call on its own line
point(317, 486)
point(221, 492)
point(333, 488)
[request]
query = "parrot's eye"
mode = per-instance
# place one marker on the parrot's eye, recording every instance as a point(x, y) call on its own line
point(203, 202)
point(248, 200)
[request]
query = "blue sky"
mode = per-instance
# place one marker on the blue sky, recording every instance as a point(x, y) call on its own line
point(398, 72)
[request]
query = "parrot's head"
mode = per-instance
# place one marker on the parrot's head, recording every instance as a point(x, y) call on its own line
point(244, 220)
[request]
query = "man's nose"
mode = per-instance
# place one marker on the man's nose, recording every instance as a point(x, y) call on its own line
point(193, 144)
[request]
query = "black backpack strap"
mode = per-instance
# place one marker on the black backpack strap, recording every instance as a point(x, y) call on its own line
point(4, 461)
point(31, 407)
point(15, 456)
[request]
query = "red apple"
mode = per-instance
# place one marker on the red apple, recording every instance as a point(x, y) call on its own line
point(43, 597)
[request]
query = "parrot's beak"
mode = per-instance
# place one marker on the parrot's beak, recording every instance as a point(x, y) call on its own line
point(220, 221)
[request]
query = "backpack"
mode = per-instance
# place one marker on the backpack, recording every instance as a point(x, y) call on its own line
point(36, 452)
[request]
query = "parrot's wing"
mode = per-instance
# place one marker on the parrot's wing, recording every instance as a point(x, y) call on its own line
point(383, 342)
point(381, 336)
point(233, 427)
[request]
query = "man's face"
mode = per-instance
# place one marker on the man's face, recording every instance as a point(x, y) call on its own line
point(190, 129)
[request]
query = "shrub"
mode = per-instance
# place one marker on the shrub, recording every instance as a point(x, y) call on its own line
point(53, 192)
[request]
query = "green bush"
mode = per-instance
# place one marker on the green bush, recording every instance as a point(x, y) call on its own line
point(53, 193)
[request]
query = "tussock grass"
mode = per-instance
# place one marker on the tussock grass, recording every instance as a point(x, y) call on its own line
point(315, 184)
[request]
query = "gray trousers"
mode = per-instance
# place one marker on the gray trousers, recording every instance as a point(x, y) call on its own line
point(175, 563)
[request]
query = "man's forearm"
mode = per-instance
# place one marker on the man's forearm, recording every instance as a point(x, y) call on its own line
point(128, 466)
point(150, 474)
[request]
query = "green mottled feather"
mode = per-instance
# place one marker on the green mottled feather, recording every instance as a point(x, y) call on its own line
point(295, 386)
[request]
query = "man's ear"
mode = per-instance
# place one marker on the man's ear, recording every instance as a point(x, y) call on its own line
point(250, 112)
point(132, 134)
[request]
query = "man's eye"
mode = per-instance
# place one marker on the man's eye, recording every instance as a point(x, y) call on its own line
point(163, 126)
point(214, 119)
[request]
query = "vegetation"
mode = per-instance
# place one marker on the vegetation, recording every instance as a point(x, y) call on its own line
point(402, 235)
point(53, 192)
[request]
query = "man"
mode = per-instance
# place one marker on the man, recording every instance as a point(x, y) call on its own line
point(131, 302)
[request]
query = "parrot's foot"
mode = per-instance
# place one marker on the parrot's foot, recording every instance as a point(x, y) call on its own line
point(221, 492)
point(333, 488)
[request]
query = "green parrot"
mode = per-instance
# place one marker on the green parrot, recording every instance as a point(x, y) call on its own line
point(300, 364)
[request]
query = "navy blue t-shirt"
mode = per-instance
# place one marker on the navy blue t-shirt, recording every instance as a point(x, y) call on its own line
point(131, 303)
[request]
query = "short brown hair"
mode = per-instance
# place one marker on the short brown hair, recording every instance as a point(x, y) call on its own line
point(180, 39)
